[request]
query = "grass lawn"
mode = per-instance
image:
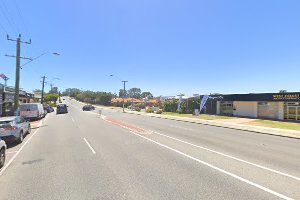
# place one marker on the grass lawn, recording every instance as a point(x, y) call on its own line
point(201, 116)
point(276, 124)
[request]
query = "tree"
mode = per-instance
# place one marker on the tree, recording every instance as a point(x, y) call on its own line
point(71, 91)
point(147, 94)
point(54, 90)
point(121, 93)
point(49, 97)
point(135, 93)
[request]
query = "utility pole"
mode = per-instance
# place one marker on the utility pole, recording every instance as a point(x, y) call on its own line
point(51, 85)
point(124, 93)
point(18, 62)
point(43, 86)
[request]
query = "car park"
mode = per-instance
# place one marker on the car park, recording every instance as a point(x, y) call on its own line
point(61, 109)
point(32, 111)
point(2, 152)
point(14, 129)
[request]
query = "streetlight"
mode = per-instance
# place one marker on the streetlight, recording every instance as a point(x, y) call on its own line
point(124, 91)
point(47, 52)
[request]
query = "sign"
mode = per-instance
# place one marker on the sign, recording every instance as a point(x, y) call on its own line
point(203, 102)
point(179, 103)
point(286, 96)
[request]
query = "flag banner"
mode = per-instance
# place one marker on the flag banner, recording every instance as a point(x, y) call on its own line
point(179, 103)
point(3, 76)
point(203, 102)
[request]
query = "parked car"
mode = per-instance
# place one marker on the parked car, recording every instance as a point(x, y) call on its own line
point(2, 153)
point(32, 111)
point(132, 107)
point(88, 108)
point(49, 109)
point(14, 128)
point(61, 109)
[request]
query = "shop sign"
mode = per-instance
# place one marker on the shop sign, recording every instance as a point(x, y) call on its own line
point(286, 97)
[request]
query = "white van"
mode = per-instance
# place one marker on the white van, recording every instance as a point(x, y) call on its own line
point(32, 111)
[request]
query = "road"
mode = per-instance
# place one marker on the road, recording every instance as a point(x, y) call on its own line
point(82, 155)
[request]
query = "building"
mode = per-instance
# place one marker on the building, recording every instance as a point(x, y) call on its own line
point(7, 96)
point(281, 106)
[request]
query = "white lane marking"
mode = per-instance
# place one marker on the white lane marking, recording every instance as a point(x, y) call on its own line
point(9, 152)
point(73, 120)
point(217, 168)
point(18, 152)
point(232, 157)
point(91, 148)
point(188, 129)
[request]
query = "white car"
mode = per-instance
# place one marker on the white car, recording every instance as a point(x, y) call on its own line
point(32, 111)
point(2, 153)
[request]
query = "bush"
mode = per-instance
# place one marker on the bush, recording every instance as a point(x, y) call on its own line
point(159, 111)
point(149, 110)
point(137, 109)
point(52, 104)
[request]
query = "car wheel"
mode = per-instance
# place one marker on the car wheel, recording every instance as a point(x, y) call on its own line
point(2, 158)
point(29, 130)
point(21, 138)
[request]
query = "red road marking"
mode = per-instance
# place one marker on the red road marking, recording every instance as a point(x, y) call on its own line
point(125, 125)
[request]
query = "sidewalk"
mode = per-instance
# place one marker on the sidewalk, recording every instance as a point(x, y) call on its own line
point(236, 126)
point(223, 124)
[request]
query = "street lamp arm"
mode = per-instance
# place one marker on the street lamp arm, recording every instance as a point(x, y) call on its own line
point(57, 54)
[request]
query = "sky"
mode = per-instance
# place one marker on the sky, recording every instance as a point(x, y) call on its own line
point(166, 47)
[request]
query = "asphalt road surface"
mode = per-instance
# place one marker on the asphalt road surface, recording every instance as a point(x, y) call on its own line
point(84, 155)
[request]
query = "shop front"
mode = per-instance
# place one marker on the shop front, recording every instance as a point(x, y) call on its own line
point(282, 106)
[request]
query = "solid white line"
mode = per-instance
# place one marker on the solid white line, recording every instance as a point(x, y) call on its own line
point(91, 148)
point(18, 152)
point(218, 169)
point(188, 129)
point(232, 157)
point(9, 152)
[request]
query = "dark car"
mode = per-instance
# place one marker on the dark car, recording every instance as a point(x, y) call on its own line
point(49, 109)
point(61, 109)
point(88, 108)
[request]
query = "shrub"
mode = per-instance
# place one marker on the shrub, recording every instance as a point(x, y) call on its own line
point(159, 111)
point(137, 109)
point(52, 104)
point(149, 110)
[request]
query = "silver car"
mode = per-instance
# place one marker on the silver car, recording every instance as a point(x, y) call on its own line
point(2, 153)
point(14, 129)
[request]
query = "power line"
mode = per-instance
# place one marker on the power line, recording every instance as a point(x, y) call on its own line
point(20, 16)
point(11, 18)
point(3, 29)
point(7, 19)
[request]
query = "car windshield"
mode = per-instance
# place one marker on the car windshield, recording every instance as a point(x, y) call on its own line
point(150, 99)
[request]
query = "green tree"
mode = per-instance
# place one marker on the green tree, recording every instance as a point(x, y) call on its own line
point(121, 93)
point(135, 93)
point(147, 94)
point(50, 97)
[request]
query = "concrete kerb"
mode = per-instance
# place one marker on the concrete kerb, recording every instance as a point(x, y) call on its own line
point(259, 130)
point(254, 129)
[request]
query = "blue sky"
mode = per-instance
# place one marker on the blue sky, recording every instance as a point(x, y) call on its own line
point(163, 46)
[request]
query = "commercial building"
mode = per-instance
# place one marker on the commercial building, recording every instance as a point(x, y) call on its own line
point(281, 106)
point(7, 96)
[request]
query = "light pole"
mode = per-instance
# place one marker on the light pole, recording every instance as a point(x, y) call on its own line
point(124, 91)
point(43, 82)
point(53, 53)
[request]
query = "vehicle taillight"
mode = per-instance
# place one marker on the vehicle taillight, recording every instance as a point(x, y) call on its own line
point(10, 128)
